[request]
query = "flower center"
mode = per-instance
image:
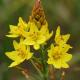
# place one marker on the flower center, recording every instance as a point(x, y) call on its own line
point(57, 56)
point(61, 38)
point(21, 53)
point(34, 36)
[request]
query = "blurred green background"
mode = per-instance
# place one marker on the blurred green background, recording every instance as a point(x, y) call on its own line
point(65, 13)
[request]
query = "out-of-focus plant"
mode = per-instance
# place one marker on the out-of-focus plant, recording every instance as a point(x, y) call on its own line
point(33, 36)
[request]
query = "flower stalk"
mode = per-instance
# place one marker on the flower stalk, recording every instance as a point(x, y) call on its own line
point(40, 73)
point(44, 64)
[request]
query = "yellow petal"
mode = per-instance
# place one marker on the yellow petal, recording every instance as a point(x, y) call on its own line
point(57, 64)
point(50, 35)
point(13, 64)
point(45, 31)
point(33, 27)
point(21, 40)
point(14, 55)
point(13, 29)
point(50, 51)
point(52, 46)
point(66, 57)
point(66, 37)
point(41, 39)
point(65, 47)
point(29, 55)
point(16, 45)
point(58, 31)
point(12, 35)
point(28, 41)
point(50, 61)
point(21, 20)
point(44, 28)
point(65, 65)
point(57, 35)
point(22, 24)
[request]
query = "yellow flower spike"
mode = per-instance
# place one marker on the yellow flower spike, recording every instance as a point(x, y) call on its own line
point(61, 39)
point(19, 54)
point(58, 56)
point(19, 30)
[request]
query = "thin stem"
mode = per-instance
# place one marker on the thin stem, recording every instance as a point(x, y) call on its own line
point(26, 75)
point(52, 73)
point(43, 60)
point(24, 72)
point(63, 75)
point(36, 68)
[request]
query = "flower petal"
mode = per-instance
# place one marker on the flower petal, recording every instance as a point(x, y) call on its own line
point(22, 24)
point(65, 47)
point(66, 37)
point(50, 61)
point(66, 57)
point(13, 64)
point(65, 65)
point(57, 31)
point(29, 55)
point(14, 55)
point(28, 41)
point(12, 35)
point(16, 45)
point(57, 64)
point(33, 27)
point(41, 39)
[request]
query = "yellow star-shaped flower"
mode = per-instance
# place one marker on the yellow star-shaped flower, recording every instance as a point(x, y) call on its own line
point(19, 54)
point(45, 31)
point(19, 30)
point(58, 56)
point(61, 39)
point(36, 36)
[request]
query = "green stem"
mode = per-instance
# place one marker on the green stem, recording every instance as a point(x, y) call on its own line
point(62, 75)
point(23, 72)
point(44, 63)
point(36, 68)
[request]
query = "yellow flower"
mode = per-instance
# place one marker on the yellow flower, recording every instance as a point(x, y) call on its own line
point(61, 39)
point(19, 54)
point(36, 36)
point(58, 56)
point(45, 31)
point(19, 30)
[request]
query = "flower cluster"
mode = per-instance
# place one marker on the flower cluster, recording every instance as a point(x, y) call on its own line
point(30, 35)
point(57, 54)
point(30, 38)
point(35, 34)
